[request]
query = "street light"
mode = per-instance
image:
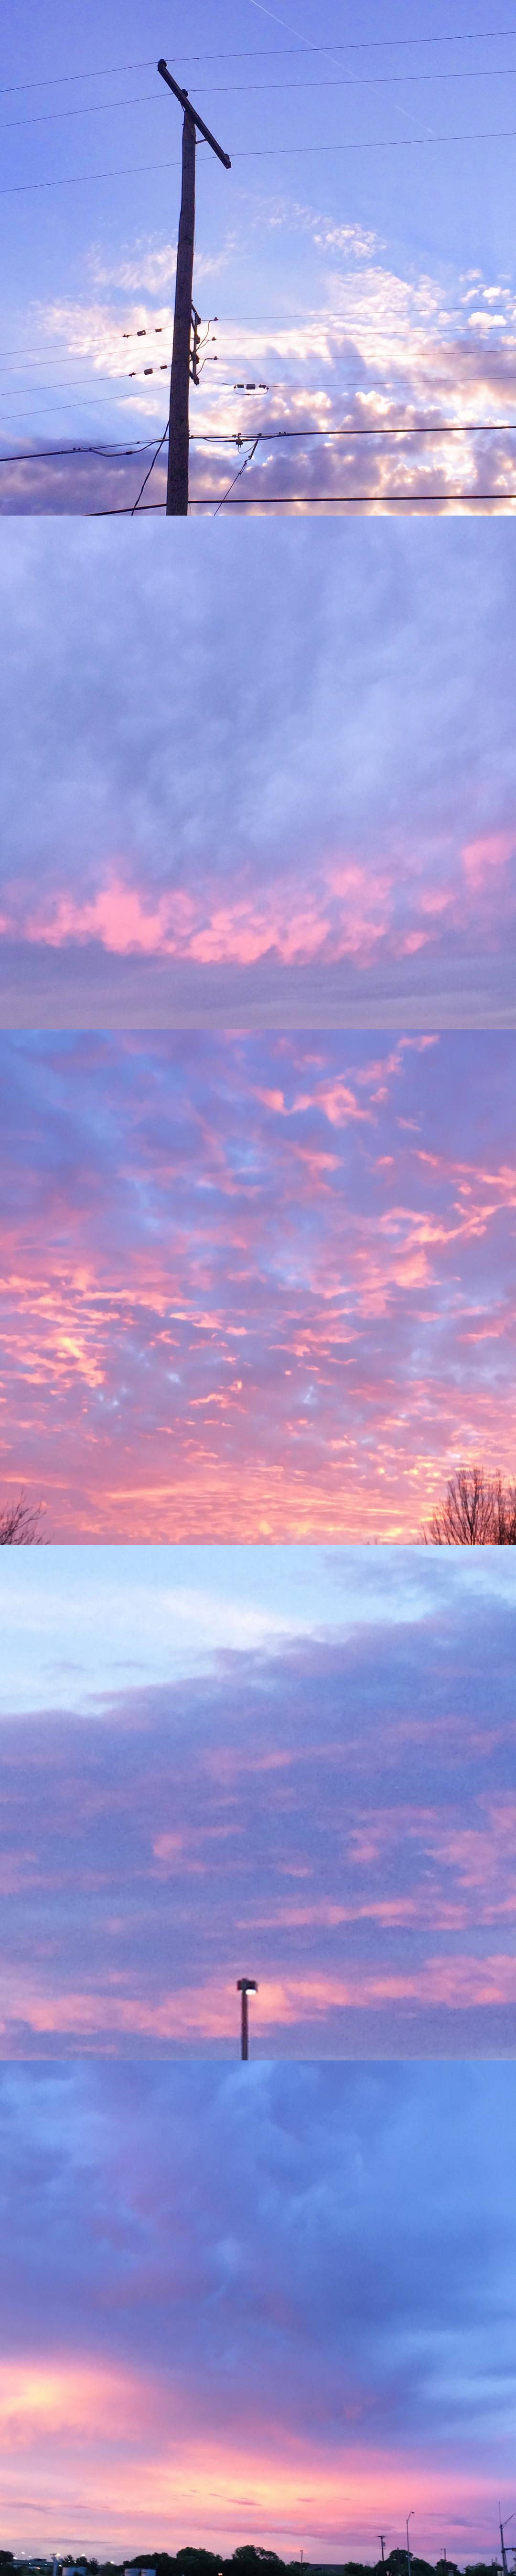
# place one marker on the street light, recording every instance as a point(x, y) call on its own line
point(410, 2517)
point(245, 1986)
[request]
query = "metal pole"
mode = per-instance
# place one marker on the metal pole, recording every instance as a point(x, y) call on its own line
point(178, 431)
point(245, 1986)
point(502, 2528)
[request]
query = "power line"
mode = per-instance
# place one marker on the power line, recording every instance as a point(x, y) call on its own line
point(393, 143)
point(62, 384)
point(316, 500)
point(111, 455)
point(267, 152)
point(102, 402)
point(15, 395)
point(252, 89)
point(153, 462)
point(253, 53)
point(336, 321)
point(379, 429)
point(232, 438)
point(135, 170)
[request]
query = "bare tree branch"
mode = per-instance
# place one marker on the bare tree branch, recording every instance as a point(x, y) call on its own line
point(20, 1524)
point(477, 1511)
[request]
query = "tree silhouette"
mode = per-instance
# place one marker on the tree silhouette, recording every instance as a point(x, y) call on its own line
point(20, 1524)
point(478, 1511)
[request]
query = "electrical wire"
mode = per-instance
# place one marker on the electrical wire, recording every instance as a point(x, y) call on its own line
point(366, 330)
point(392, 143)
point(81, 178)
point(252, 53)
point(317, 500)
point(250, 89)
point(149, 469)
point(266, 152)
point(62, 384)
point(232, 438)
point(376, 429)
point(236, 478)
point(42, 455)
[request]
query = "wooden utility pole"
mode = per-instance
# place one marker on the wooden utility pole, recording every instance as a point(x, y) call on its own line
point(181, 370)
point(245, 1986)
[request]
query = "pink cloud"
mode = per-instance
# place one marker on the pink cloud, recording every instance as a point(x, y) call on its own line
point(338, 907)
point(492, 851)
point(119, 917)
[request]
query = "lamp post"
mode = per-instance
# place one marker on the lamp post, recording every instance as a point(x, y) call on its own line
point(410, 2517)
point(245, 1986)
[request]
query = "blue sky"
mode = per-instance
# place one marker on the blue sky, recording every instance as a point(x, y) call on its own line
point(382, 265)
point(77, 1623)
point(268, 2303)
point(281, 1763)
point(223, 811)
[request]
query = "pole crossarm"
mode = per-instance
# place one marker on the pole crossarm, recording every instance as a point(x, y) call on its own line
point(186, 104)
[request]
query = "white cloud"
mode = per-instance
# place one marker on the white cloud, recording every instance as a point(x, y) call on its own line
point(150, 266)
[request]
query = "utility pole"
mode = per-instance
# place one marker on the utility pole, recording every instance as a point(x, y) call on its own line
point(502, 2529)
point(410, 2517)
point(184, 316)
point(382, 2536)
point(245, 1986)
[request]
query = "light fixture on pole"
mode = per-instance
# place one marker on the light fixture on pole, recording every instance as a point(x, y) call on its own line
point(245, 1986)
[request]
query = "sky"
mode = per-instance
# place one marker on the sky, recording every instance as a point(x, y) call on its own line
point(255, 1286)
point(280, 790)
point(354, 263)
point(291, 1764)
point(267, 2303)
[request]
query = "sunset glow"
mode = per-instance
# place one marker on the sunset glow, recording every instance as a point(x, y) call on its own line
point(255, 1287)
point(279, 2305)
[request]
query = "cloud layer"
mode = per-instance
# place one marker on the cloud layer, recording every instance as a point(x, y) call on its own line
point(217, 811)
point(331, 1812)
point(255, 1287)
point(258, 2303)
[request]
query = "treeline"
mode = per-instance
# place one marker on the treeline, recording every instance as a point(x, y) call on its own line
point(255, 2562)
point(249, 2561)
